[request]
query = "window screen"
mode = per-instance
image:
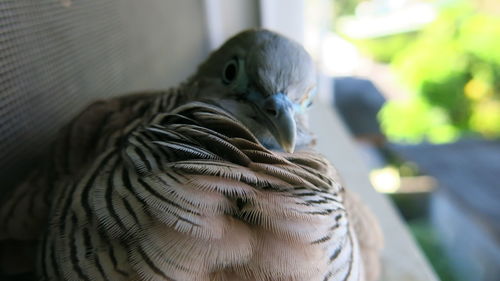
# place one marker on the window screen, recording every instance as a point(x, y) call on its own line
point(56, 56)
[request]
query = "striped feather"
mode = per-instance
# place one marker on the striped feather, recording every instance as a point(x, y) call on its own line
point(180, 198)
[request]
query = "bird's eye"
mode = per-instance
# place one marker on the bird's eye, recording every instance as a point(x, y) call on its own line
point(230, 71)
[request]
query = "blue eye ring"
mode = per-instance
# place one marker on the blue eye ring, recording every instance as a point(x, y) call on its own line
point(305, 102)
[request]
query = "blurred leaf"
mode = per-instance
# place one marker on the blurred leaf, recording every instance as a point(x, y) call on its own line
point(486, 118)
point(383, 49)
point(415, 121)
point(479, 36)
point(477, 89)
point(344, 7)
point(453, 67)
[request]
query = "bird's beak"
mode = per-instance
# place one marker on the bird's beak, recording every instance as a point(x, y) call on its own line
point(280, 122)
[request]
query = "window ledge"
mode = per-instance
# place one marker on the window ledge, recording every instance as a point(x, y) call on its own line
point(401, 257)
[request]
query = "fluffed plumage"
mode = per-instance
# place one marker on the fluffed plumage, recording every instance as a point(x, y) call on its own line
point(157, 187)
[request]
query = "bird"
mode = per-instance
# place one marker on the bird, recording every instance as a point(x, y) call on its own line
point(215, 179)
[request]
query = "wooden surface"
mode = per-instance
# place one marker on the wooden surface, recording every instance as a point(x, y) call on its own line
point(402, 259)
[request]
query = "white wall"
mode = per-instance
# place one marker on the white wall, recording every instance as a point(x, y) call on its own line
point(228, 17)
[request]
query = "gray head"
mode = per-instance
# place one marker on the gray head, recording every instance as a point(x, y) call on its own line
point(265, 80)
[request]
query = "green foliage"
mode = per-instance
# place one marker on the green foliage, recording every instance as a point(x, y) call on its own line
point(410, 121)
point(453, 67)
point(344, 7)
point(383, 49)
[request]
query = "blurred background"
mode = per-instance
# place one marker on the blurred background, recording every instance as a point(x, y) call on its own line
point(418, 85)
point(414, 86)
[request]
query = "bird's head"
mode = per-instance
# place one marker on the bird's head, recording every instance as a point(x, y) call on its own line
point(266, 81)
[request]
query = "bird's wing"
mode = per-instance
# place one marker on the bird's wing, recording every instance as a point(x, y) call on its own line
point(368, 232)
point(24, 211)
point(190, 193)
point(363, 223)
point(207, 197)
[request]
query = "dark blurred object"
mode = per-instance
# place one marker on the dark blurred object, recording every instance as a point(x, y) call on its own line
point(469, 170)
point(358, 102)
point(466, 208)
point(19, 277)
point(412, 205)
